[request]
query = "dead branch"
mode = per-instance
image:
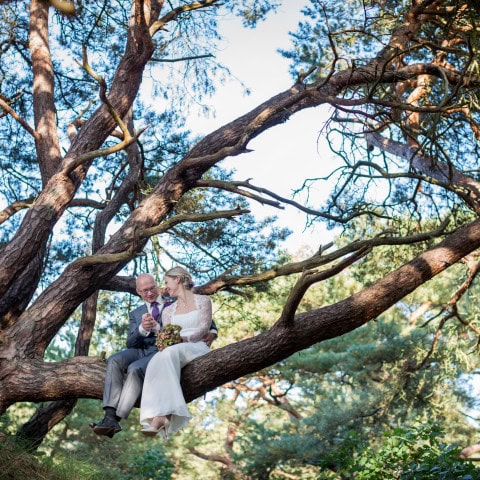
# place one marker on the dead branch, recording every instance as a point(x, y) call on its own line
point(6, 107)
point(310, 277)
point(192, 217)
point(440, 171)
point(233, 187)
point(176, 12)
point(226, 281)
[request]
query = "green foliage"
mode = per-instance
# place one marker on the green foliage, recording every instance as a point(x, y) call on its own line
point(417, 453)
point(338, 36)
point(324, 409)
point(152, 465)
point(72, 450)
point(353, 388)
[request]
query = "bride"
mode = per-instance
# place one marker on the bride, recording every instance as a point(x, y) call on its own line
point(163, 409)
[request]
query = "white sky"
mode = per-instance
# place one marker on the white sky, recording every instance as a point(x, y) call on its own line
point(286, 154)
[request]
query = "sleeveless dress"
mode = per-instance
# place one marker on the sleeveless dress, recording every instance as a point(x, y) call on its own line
point(162, 393)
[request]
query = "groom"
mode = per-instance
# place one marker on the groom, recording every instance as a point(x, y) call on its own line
point(126, 369)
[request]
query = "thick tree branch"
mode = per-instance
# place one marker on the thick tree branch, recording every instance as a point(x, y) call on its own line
point(330, 321)
point(435, 169)
point(34, 232)
point(79, 377)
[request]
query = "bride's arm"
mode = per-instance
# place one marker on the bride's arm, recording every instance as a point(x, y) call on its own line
point(204, 305)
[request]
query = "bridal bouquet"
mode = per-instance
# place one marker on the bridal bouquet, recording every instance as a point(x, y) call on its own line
point(169, 335)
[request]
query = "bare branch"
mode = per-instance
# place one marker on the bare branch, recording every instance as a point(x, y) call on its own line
point(310, 277)
point(192, 217)
point(15, 207)
point(233, 187)
point(47, 143)
point(6, 107)
point(182, 59)
point(214, 458)
point(175, 13)
point(440, 171)
point(317, 260)
point(146, 233)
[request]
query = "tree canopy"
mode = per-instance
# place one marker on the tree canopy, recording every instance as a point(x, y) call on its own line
point(100, 181)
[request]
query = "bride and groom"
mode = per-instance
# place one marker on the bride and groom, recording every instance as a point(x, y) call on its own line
point(141, 371)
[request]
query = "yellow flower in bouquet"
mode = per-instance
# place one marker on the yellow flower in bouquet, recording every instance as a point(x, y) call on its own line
point(169, 335)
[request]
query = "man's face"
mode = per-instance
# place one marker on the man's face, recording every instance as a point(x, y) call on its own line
point(147, 289)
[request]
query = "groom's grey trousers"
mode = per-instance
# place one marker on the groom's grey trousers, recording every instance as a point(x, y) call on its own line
point(124, 378)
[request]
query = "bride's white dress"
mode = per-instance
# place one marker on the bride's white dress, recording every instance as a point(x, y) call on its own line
point(162, 393)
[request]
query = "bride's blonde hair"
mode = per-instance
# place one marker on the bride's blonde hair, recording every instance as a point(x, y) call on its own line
point(182, 274)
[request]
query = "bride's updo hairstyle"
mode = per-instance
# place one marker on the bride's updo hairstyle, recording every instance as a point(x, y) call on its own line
point(182, 274)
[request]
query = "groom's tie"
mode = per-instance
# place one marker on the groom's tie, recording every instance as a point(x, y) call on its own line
point(155, 310)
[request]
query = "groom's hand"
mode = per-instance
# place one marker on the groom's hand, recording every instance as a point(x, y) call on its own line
point(148, 322)
point(209, 338)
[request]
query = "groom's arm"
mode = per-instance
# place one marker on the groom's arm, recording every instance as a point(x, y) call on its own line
point(135, 339)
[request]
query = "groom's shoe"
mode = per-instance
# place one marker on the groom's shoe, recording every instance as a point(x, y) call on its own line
point(108, 427)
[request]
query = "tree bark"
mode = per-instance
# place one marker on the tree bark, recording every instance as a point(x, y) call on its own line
point(47, 143)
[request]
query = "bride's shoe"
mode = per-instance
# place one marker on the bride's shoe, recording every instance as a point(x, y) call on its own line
point(163, 430)
point(156, 428)
point(150, 431)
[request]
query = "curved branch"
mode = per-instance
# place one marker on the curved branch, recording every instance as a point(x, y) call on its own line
point(317, 260)
point(176, 12)
point(233, 187)
point(192, 217)
point(309, 278)
point(6, 107)
point(147, 233)
point(15, 207)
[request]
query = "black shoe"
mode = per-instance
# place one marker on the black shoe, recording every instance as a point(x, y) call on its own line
point(108, 427)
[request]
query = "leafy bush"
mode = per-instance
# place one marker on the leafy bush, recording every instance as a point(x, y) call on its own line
point(417, 453)
point(153, 465)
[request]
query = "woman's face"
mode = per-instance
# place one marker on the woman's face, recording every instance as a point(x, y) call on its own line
point(172, 285)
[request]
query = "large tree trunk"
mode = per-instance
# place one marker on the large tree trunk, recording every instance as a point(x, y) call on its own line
point(46, 417)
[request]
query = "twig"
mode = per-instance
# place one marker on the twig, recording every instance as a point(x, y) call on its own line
point(308, 278)
point(5, 106)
